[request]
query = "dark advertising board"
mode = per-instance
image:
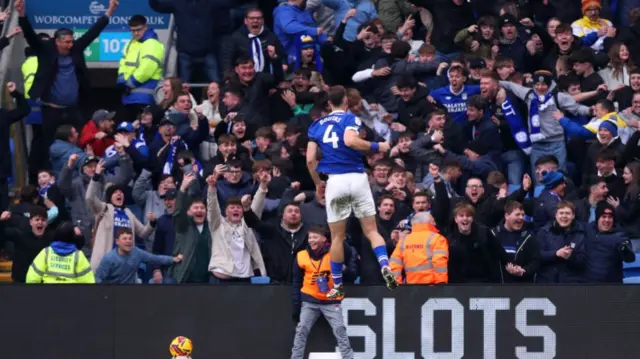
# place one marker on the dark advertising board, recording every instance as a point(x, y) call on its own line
point(254, 321)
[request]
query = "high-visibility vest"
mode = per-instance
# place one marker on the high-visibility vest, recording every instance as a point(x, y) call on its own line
point(141, 69)
point(29, 69)
point(422, 256)
point(51, 268)
point(313, 269)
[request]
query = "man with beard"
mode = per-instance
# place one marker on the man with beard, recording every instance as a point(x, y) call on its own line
point(253, 40)
point(282, 239)
point(607, 248)
point(475, 255)
point(519, 244)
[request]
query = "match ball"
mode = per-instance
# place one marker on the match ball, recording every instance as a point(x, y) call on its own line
point(181, 346)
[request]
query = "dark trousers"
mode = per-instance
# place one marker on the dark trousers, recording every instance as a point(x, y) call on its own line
point(52, 118)
point(4, 193)
point(215, 280)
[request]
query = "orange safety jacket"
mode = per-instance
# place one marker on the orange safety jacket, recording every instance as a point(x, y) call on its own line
point(422, 255)
point(314, 269)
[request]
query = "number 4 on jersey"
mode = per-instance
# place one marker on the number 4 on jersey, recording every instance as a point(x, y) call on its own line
point(330, 137)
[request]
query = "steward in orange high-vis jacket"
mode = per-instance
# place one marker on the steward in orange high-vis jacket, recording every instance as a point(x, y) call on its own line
point(422, 256)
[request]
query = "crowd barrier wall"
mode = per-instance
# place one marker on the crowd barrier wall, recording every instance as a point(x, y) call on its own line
point(254, 321)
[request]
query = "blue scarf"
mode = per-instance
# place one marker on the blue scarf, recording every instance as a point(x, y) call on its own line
point(518, 131)
point(43, 190)
point(120, 220)
point(538, 104)
point(168, 164)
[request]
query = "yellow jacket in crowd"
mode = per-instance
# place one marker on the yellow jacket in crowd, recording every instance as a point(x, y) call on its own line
point(60, 263)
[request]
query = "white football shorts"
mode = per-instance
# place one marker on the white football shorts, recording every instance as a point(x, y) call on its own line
point(348, 192)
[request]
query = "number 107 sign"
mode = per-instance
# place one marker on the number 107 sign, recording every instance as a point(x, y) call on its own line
point(109, 46)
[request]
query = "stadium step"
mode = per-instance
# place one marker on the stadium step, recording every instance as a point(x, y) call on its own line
point(5, 271)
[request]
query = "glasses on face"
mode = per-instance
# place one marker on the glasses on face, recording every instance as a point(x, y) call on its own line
point(474, 186)
point(254, 18)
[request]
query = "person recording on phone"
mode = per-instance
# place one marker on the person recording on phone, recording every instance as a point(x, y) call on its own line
point(235, 182)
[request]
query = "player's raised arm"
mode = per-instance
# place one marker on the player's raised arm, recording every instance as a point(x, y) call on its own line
point(352, 140)
point(312, 161)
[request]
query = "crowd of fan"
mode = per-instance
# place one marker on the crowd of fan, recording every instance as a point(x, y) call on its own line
point(473, 96)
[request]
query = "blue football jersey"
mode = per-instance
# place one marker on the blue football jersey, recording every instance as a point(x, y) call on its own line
point(328, 133)
point(456, 104)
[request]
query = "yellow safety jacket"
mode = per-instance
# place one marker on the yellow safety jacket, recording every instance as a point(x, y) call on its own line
point(29, 69)
point(141, 68)
point(52, 268)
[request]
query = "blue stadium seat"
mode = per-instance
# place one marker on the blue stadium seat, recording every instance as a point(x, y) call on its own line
point(357, 281)
point(631, 280)
point(261, 280)
point(631, 269)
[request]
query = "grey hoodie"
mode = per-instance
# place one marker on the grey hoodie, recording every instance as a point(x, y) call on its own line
point(549, 126)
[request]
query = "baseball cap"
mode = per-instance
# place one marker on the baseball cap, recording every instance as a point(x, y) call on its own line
point(170, 194)
point(90, 159)
point(508, 19)
point(477, 63)
point(102, 115)
point(125, 127)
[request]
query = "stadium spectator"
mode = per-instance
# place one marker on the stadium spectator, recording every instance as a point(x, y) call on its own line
point(422, 256)
point(164, 238)
point(62, 78)
point(627, 207)
point(520, 245)
point(61, 262)
point(65, 146)
point(308, 293)
point(111, 215)
point(7, 118)
point(555, 190)
point(120, 265)
point(140, 69)
point(197, 27)
point(97, 133)
point(235, 252)
point(607, 248)
point(562, 247)
point(475, 255)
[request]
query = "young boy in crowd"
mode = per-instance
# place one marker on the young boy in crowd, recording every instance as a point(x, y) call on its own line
point(121, 264)
point(311, 281)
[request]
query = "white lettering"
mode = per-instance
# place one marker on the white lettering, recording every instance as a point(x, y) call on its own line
point(489, 306)
point(548, 335)
point(361, 304)
point(389, 332)
point(71, 21)
point(457, 328)
point(508, 110)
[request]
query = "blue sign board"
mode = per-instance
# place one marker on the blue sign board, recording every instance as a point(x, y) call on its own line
point(81, 14)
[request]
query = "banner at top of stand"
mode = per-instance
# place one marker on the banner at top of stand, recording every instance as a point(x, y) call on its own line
point(81, 14)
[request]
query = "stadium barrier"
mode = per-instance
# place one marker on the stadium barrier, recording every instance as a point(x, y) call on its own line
point(247, 322)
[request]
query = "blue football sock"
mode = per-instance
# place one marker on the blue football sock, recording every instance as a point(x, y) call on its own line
point(336, 273)
point(381, 254)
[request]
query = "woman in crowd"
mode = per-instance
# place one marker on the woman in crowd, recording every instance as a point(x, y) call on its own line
point(628, 208)
point(616, 74)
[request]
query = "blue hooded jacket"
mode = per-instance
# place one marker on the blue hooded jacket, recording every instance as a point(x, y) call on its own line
point(291, 22)
point(63, 248)
point(60, 151)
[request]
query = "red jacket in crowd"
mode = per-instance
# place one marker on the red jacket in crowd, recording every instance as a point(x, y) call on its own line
point(88, 137)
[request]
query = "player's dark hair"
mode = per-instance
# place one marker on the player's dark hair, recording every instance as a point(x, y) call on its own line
point(337, 95)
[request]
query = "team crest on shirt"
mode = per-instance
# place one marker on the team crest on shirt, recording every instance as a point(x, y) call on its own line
point(464, 96)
